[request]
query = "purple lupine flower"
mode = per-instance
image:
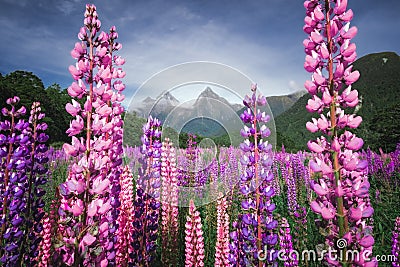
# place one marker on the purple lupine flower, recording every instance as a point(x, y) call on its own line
point(187, 170)
point(22, 175)
point(38, 176)
point(342, 189)
point(238, 255)
point(286, 245)
point(147, 199)
point(11, 178)
point(287, 172)
point(396, 243)
point(258, 223)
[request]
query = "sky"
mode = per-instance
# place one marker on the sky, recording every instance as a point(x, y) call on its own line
point(260, 38)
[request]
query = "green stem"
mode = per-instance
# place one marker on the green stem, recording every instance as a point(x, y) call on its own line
point(341, 219)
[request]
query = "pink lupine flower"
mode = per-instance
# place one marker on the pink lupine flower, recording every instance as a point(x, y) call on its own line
point(194, 240)
point(169, 202)
point(222, 244)
point(45, 244)
point(89, 208)
point(342, 191)
point(125, 219)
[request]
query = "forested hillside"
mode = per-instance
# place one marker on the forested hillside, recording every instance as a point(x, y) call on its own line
point(53, 99)
point(379, 91)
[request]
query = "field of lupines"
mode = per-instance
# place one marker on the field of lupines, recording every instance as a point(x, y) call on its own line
point(97, 203)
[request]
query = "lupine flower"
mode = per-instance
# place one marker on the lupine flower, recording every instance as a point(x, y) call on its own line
point(238, 255)
point(342, 190)
point(147, 199)
point(222, 244)
point(285, 162)
point(194, 240)
point(396, 243)
point(90, 195)
point(125, 218)
point(45, 244)
point(286, 245)
point(186, 170)
point(169, 202)
point(258, 223)
point(50, 228)
point(22, 174)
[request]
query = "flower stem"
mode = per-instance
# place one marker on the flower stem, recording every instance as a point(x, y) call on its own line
point(342, 220)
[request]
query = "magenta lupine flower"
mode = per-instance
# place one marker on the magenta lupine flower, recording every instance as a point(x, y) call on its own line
point(194, 240)
point(384, 166)
point(169, 202)
point(125, 219)
point(45, 244)
point(285, 162)
point(50, 228)
point(147, 199)
point(342, 190)
point(23, 154)
point(258, 223)
point(90, 195)
point(222, 245)
point(396, 243)
point(286, 245)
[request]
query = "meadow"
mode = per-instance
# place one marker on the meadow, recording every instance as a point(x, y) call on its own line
point(96, 202)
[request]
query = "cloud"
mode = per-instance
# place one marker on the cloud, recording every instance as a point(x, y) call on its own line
point(67, 6)
point(179, 36)
point(262, 39)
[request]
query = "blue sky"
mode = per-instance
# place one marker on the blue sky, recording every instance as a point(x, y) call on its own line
point(261, 38)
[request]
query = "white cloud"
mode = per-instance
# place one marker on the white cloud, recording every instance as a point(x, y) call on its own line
point(194, 39)
point(67, 6)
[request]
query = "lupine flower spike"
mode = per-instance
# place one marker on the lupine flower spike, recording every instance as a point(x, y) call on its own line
point(342, 191)
point(257, 224)
point(125, 219)
point(169, 202)
point(23, 155)
point(147, 199)
point(396, 243)
point(194, 240)
point(286, 244)
point(90, 203)
point(222, 244)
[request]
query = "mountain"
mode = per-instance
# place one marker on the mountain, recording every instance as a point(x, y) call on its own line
point(280, 104)
point(159, 107)
point(208, 93)
point(379, 92)
point(208, 115)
